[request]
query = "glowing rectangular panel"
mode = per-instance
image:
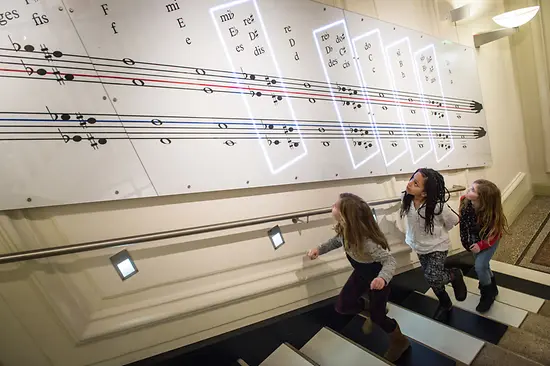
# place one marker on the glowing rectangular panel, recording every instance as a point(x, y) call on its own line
point(412, 107)
point(245, 40)
point(372, 63)
point(430, 86)
point(350, 102)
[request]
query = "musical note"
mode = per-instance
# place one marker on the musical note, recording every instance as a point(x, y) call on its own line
point(267, 127)
point(291, 144)
point(66, 138)
point(247, 76)
point(360, 143)
point(276, 99)
point(254, 93)
point(270, 81)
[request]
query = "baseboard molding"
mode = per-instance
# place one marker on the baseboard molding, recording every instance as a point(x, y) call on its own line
point(516, 196)
point(511, 187)
point(541, 189)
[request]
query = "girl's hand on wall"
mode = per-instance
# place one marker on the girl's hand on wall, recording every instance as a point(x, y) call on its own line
point(313, 253)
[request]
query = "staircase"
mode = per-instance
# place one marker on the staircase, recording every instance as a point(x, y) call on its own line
point(516, 331)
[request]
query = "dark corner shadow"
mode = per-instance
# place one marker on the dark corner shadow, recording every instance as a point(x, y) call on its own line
point(131, 203)
point(67, 266)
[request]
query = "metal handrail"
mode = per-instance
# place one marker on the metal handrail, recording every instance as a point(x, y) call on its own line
point(136, 239)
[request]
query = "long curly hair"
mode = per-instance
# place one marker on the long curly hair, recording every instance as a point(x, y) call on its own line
point(357, 223)
point(436, 196)
point(489, 211)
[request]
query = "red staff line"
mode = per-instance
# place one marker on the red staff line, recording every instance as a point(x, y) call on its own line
point(238, 88)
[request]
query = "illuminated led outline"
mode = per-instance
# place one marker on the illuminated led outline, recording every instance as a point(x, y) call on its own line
point(354, 54)
point(406, 39)
point(245, 99)
point(444, 101)
point(354, 40)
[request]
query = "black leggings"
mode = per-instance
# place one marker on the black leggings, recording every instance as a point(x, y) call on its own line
point(350, 301)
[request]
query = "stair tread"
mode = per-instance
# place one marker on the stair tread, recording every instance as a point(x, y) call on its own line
point(446, 340)
point(329, 348)
point(545, 309)
point(527, 344)
point(499, 312)
point(521, 272)
point(285, 355)
point(492, 355)
point(378, 342)
point(462, 320)
point(537, 324)
point(510, 297)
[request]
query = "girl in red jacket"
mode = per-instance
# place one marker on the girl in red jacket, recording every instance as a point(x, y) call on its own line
point(482, 223)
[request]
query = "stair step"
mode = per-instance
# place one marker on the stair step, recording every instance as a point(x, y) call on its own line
point(492, 355)
point(473, 324)
point(330, 348)
point(527, 344)
point(510, 297)
point(286, 355)
point(499, 312)
point(537, 324)
point(545, 309)
point(378, 342)
point(521, 272)
point(448, 341)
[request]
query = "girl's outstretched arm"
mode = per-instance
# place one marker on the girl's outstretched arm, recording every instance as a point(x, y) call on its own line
point(331, 244)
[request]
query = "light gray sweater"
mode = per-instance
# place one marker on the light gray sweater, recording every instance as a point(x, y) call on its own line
point(424, 243)
point(372, 253)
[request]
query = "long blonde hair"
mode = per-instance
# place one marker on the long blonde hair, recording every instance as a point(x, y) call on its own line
point(489, 211)
point(357, 223)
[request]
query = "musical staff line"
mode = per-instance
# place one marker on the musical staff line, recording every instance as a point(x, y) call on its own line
point(305, 89)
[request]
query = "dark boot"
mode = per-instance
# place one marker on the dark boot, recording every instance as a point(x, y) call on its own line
point(398, 345)
point(367, 324)
point(459, 286)
point(494, 285)
point(445, 305)
point(487, 298)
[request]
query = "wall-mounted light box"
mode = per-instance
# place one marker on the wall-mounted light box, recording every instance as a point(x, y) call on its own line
point(276, 237)
point(124, 265)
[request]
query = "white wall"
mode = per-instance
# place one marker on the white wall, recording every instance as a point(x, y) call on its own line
point(530, 57)
point(74, 310)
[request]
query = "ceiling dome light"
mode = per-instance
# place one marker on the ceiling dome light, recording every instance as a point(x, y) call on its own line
point(516, 18)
